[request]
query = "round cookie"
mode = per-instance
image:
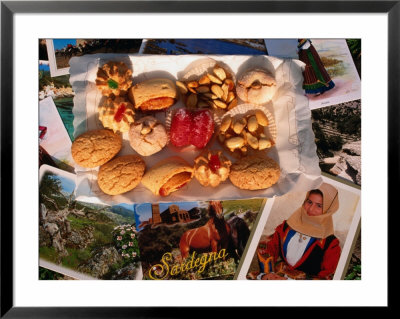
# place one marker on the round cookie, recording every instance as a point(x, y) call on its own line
point(256, 86)
point(121, 175)
point(116, 114)
point(96, 147)
point(147, 136)
point(211, 168)
point(114, 79)
point(254, 172)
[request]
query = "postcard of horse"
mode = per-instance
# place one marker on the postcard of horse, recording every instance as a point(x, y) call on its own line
point(194, 240)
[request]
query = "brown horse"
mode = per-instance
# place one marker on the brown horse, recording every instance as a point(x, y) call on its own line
point(211, 237)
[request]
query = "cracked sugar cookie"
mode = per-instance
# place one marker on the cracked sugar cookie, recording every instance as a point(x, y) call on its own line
point(94, 148)
point(121, 174)
point(254, 172)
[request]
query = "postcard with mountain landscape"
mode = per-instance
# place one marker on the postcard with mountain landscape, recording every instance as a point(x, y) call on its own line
point(194, 240)
point(84, 239)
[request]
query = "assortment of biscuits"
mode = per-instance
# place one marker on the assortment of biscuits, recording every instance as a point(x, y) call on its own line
point(130, 110)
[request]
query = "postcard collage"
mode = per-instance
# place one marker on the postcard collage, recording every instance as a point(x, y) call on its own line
point(242, 163)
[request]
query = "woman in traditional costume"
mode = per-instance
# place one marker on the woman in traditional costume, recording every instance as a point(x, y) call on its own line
point(316, 78)
point(306, 242)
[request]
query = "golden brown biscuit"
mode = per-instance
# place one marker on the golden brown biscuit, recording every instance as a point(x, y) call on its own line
point(96, 147)
point(121, 175)
point(211, 168)
point(114, 78)
point(254, 172)
point(116, 114)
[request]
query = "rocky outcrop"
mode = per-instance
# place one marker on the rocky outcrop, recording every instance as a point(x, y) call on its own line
point(101, 261)
point(347, 162)
point(81, 238)
point(55, 230)
point(128, 272)
point(51, 90)
point(353, 148)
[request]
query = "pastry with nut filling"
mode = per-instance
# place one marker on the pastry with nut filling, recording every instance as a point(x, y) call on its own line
point(114, 79)
point(147, 136)
point(212, 168)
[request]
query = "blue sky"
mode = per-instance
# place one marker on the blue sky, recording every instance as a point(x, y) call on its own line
point(61, 43)
point(44, 67)
point(208, 46)
point(67, 184)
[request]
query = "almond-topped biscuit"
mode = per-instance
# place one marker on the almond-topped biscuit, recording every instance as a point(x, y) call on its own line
point(256, 86)
point(94, 148)
point(121, 175)
point(147, 136)
point(254, 172)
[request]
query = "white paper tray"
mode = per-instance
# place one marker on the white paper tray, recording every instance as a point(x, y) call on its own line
point(295, 149)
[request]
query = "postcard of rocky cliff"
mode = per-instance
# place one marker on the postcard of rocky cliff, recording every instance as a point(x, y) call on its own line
point(82, 240)
point(195, 240)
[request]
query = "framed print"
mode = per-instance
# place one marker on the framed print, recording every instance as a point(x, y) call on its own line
point(24, 294)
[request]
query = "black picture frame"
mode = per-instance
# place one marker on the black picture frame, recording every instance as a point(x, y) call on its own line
point(9, 8)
